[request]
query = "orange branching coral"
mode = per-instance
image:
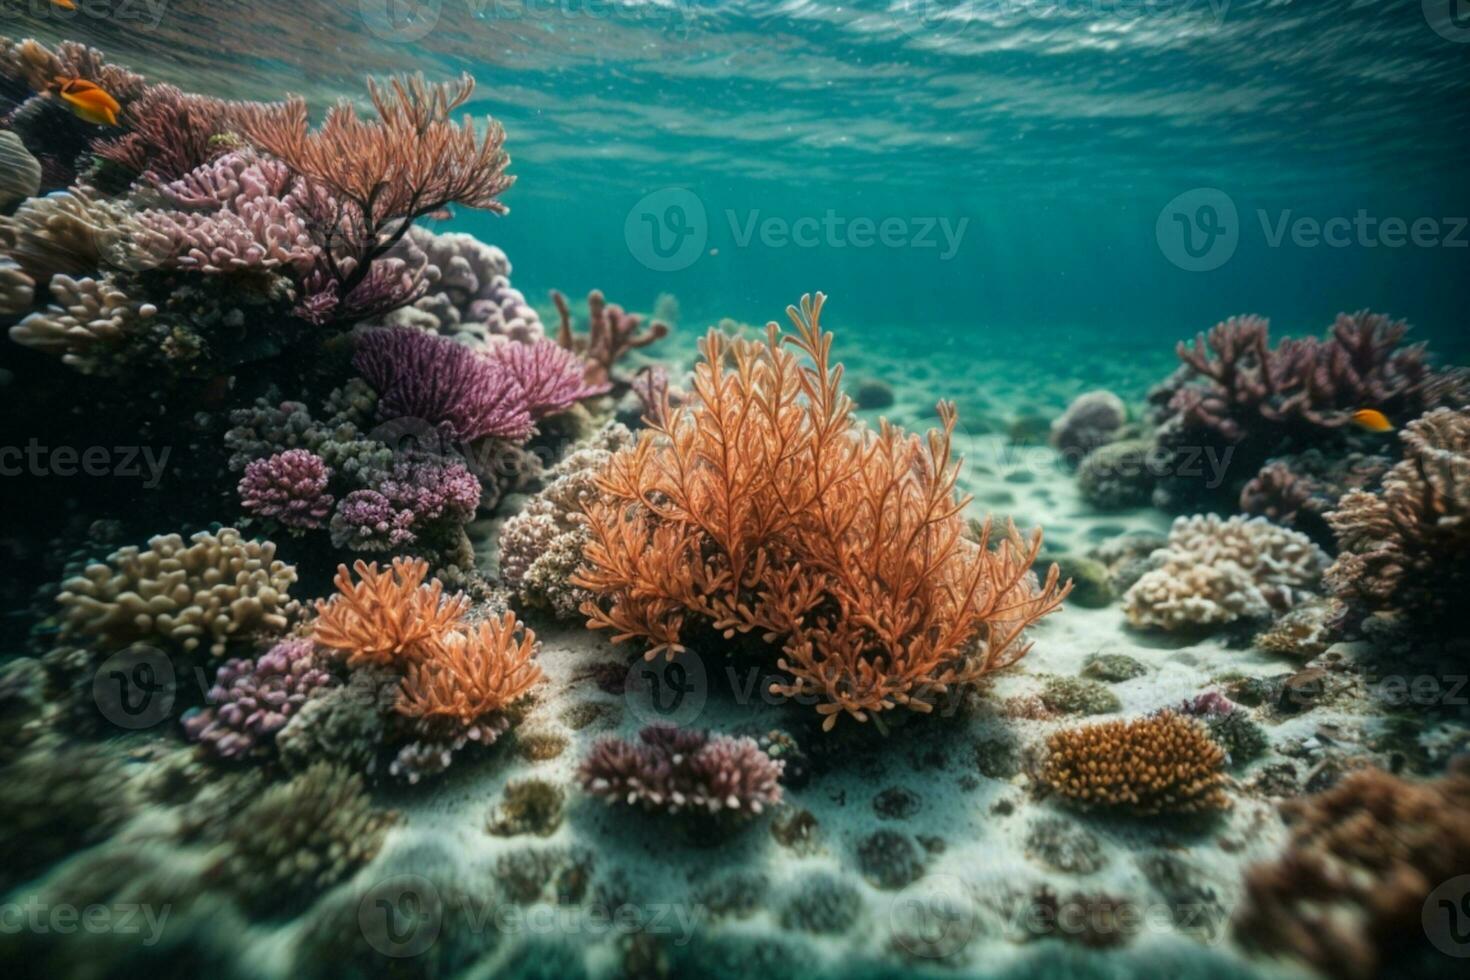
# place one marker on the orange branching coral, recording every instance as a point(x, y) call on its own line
point(765, 507)
point(387, 617)
point(463, 677)
point(1165, 763)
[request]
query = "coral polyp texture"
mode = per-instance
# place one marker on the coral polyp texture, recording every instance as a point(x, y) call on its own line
point(1349, 894)
point(290, 487)
point(461, 678)
point(1163, 764)
point(216, 589)
point(252, 700)
point(675, 769)
point(1215, 571)
point(765, 508)
point(1405, 550)
point(387, 616)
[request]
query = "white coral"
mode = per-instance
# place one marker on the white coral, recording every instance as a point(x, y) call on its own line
point(1216, 571)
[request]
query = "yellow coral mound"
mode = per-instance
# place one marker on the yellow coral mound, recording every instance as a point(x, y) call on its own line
point(388, 617)
point(1165, 763)
point(766, 506)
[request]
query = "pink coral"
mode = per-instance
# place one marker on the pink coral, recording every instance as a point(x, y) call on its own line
point(671, 769)
point(229, 180)
point(290, 487)
point(265, 233)
point(412, 498)
point(550, 375)
point(424, 376)
point(253, 699)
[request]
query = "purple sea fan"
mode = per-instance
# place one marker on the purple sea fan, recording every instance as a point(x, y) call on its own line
point(552, 377)
point(251, 700)
point(673, 769)
point(290, 487)
point(424, 376)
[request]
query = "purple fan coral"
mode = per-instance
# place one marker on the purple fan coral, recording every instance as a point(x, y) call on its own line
point(251, 700)
point(424, 376)
point(671, 768)
point(549, 374)
point(290, 487)
point(414, 496)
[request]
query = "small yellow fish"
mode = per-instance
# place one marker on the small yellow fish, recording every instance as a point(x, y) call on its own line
point(1372, 420)
point(88, 102)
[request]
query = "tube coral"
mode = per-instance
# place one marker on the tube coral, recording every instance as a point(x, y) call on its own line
point(765, 507)
point(611, 333)
point(1165, 763)
point(386, 617)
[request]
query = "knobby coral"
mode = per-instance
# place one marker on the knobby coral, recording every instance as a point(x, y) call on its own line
point(671, 768)
point(765, 507)
point(386, 617)
point(1406, 549)
point(1165, 763)
point(1215, 571)
point(1349, 892)
point(252, 700)
point(218, 588)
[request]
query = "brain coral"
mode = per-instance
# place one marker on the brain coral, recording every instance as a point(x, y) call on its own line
point(1165, 763)
point(1215, 571)
point(217, 588)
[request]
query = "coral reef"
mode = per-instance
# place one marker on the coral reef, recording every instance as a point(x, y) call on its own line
point(299, 838)
point(289, 487)
point(541, 547)
point(218, 588)
point(673, 769)
point(764, 507)
point(611, 333)
point(462, 678)
point(1091, 421)
point(1406, 549)
point(1162, 764)
point(1348, 894)
point(252, 700)
point(1215, 571)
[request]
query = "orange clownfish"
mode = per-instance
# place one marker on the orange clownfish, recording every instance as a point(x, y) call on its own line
point(88, 102)
point(1372, 420)
point(65, 4)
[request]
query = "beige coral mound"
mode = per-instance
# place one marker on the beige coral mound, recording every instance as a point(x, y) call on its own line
point(216, 588)
point(1215, 571)
point(1165, 763)
point(86, 320)
point(764, 507)
point(1349, 892)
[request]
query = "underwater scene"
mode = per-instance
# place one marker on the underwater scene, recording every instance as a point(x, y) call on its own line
point(734, 489)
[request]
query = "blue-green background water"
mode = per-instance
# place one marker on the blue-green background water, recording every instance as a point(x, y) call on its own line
point(1051, 135)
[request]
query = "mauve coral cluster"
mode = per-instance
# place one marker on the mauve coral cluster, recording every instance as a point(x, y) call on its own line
point(252, 700)
point(289, 487)
point(1406, 549)
point(412, 498)
point(423, 376)
point(550, 376)
point(674, 769)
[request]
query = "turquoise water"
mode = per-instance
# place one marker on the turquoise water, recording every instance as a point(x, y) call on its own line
point(1022, 152)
